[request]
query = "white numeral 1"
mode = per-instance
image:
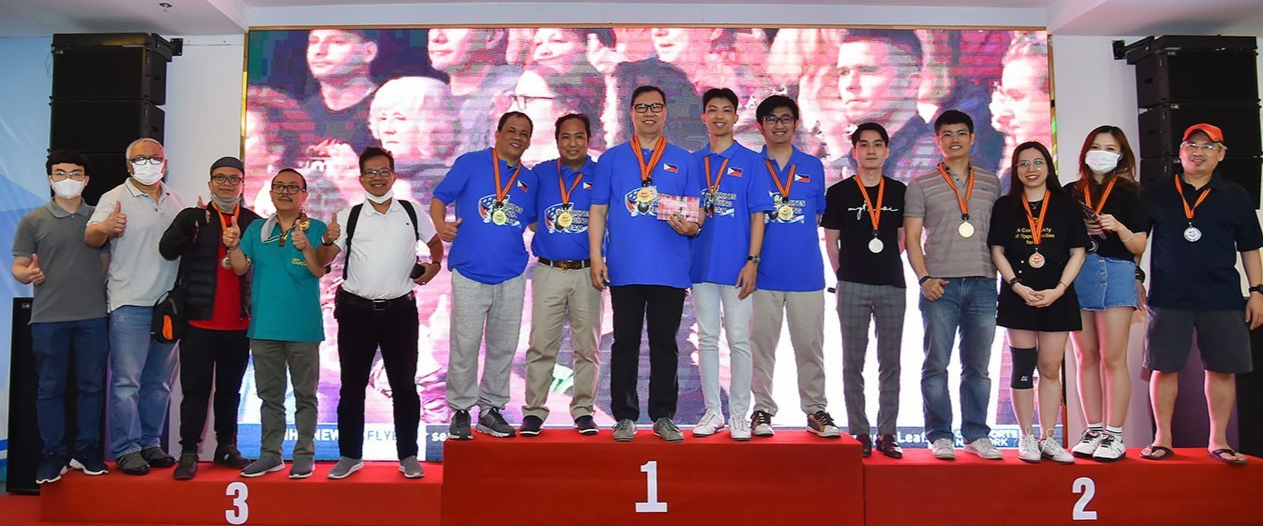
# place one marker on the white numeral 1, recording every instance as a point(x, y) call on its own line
point(653, 506)
point(240, 512)
point(1087, 487)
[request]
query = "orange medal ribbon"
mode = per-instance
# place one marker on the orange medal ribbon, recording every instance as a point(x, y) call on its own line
point(874, 212)
point(501, 192)
point(646, 169)
point(565, 194)
point(969, 191)
point(1037, 225)
point(1087, 196)
point(782, 188)
point(1188, 211)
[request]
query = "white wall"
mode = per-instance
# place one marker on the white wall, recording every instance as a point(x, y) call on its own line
point(203, 110)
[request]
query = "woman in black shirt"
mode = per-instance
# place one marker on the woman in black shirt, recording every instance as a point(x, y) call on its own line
point(1038, 241)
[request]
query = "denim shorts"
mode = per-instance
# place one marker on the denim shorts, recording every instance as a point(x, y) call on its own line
point(1104, 282)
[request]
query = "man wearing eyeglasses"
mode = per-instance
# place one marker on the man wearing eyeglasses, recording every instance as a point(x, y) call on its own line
point(646, 264)
point(286, 326)
point(494, 194)
point(376, 308)
point(69, 306)
point(214, 350)
point(131, 219)
point(1201, 222)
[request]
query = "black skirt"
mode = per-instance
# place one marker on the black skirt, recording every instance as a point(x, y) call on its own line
point(1063, 315)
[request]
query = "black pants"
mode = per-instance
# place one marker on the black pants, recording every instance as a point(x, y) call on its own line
point(209, 358)
point(664, 306)
point(361, 330)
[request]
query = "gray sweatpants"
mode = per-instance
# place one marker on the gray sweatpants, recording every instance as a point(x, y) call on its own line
point(858, 303)
point(497, 310)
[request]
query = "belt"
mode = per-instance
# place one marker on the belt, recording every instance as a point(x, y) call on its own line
point(572, 264)
point(379, 305)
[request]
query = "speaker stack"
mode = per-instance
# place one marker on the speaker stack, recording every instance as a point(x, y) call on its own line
point(107, 89)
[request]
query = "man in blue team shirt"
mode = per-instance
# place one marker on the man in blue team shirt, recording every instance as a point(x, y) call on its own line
point(725, 257)
point(648, 261)
point(496, 194)
point(560, 284)
point(791, 275)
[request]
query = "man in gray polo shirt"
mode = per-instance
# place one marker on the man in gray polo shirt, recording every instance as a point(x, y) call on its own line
point(958, 288)
point(69, 308)
point(132, 218)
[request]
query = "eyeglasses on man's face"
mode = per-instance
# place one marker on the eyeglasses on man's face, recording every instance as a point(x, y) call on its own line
point(62, 175)
point(231, 180)
point(378, 173)
point(142, 160)
point(772, 120)
point(287, 189)
point(647, 108)
point(1208, 147)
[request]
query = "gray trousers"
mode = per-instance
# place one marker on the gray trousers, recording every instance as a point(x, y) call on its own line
point(858, 303)
point(270, 360)
point(805, 311)
point(478, 309)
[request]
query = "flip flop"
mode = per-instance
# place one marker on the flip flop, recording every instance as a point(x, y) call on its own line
point(1152, 453)
point(1234, 460)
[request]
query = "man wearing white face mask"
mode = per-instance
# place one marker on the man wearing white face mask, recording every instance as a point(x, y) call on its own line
point(376, 307)
point(131, 219)
point(69, 306)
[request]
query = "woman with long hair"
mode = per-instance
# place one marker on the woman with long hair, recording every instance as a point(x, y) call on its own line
point(1118, 221)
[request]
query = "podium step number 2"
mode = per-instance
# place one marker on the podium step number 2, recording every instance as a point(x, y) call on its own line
point(650, 469)
point(1085, 486)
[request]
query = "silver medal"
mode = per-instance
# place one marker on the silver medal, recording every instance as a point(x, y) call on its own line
point(1192, 234)
point(875, 246)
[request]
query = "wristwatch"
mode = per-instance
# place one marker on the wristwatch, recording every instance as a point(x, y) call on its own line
point(924, 279)
point(755, 259)
point(1140, 275)
point(1013, 282)
point(1256, 288)
point(327, 243)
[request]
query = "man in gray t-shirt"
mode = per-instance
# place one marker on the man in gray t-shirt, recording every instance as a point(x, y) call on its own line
point(69, 310)
point(958, 289)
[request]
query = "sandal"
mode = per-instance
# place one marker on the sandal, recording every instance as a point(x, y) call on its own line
point(1156, 453)
point(1232, 459)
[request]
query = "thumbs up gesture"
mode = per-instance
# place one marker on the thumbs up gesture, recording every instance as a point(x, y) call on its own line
point(333, 232)
point(34, 274)
point(116, 222)
point(299, 238)
point(232, 234)
point(447, 231)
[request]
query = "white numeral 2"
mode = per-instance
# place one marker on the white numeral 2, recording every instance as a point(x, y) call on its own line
point(1087, 487)
point(240, 512)
point(653, 506)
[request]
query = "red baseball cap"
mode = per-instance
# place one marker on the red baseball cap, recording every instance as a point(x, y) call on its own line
point(1210, 130)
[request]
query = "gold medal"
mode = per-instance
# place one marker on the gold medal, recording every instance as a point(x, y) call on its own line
point(646, 194)
point(1036, 260)
point(966, 229)
point(785, 212)
point(564, 219)
point(499, 217)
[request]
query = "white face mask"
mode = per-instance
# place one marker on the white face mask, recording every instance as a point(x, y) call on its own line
point(67, 188)
point(148, 174)
point(379, 200)
point(1102, 161)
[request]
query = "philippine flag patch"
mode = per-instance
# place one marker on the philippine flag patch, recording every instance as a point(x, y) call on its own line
point(521, 185)
point(671, 168)
point(735, 172)
point(802, 178)
point(587, 186)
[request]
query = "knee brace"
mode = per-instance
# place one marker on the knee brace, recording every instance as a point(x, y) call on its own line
point(1024, 363)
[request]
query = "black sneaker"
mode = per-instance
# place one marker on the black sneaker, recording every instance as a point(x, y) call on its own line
point(157, 458)
point(491, 422)
point(866, 445)
point(133, 464)
point(89, 461)
point(50, 469)
point(821, 423)
point(531, 425)
point(229, 456)
point(459, 430)
point(761, 424)
point(585, 425)
point(187, 468)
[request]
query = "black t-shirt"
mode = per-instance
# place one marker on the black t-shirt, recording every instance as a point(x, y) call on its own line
point(846, 212)
point(1063, 229)
point(349, 125)
point(1127, 204)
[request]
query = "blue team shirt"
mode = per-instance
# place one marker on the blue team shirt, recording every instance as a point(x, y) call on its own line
point(286, 304)
point(720, 251)
point(791, 260)
point(553, 241)
point(484, 251)
point(641, 249)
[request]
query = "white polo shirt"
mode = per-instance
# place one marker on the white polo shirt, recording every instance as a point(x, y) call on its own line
point(138, 275)
point(384, 250)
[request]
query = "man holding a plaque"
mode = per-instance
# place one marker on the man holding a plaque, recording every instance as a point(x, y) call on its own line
point(647, 268)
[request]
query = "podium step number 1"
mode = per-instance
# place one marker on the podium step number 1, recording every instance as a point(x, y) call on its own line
point(650, 469)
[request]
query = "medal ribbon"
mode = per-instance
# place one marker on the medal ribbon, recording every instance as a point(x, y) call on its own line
point(646, 169)
point(782, 188)
point(1037, 226)
point(503, 191)
point(1087, 196)
point(1188, 212)
point(969, 192)
point(874, 212)
point(565, 194)
point(224, 224)
point(718, 177)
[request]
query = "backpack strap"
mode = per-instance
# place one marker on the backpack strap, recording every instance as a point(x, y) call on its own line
point(354, 217)
point(412, 214)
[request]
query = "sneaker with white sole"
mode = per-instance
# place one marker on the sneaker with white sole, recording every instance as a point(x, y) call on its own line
point(1088, 443)
point(266, 464)
point(1052, 450)
point(345, 467)
point(1110, 449)
point(740, 430)
point(1028, 449)
point(491, 422)
point(942, 449)
point(761, 424)
point(411, 468)
point(821, 424)
point(665, 427)
point(711, 422)
point(984, 449)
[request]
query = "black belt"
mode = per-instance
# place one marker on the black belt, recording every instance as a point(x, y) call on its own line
point(378, 305)
point(570, 264)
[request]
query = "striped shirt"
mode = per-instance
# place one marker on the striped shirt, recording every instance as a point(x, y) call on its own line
point(947, 255)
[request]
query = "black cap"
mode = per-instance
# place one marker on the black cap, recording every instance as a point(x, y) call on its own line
point(231, 162)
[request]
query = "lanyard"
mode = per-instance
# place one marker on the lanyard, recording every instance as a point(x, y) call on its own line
point(782, 188)
point(646, 169)
point(222, 223)
point(969, 191)
point(1188, 211)
point(565, 194)
point(718, 177)
point(501, 192)
point(1087, 196)
point(1037, 225)
point(874, 212)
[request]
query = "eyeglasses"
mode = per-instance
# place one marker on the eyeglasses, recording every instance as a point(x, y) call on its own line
point(949, 134)
point(287, 189)
point(771, 120)
point(522, 101)
point(138, 161)
point(226, 179)
point(646, 108)
point(1203, 146)
point(381, 173)
point(62, 174)
point(1037, 165)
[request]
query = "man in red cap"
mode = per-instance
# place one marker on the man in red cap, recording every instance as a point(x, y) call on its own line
point(1200, 222)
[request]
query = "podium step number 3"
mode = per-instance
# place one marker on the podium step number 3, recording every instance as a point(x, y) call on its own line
point(239, 513)
point(650, 469)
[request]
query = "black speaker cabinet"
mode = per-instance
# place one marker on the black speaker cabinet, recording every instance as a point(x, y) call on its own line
point(1245, 171)
point(1197, 76)
point(24, 442)
point(108, 170)
point(111, 66)
point(1162, 127)
point(103, 125)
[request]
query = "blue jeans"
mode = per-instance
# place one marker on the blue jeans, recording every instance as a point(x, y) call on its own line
point(51, 342)
point(140, 385)
point(970, 305)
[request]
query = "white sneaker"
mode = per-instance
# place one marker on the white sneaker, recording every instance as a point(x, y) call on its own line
point(1088, 443)
point(740, 430)
point(711, 422)
point(1028, 449)
point(942, 449)
point(984, 449)
point(1053, 451)
point(761, 424)
point(1111, 449)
